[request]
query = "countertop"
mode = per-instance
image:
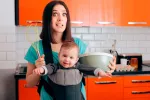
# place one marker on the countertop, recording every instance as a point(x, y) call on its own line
point(21, 71)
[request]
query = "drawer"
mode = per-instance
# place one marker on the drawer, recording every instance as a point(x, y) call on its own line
point(136, 81)
point(105, 88)
point(27, 93)
point(137, 92)
point(137, 99)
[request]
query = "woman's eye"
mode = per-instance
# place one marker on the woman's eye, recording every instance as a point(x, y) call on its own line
point(64, 14)
point(54, 14)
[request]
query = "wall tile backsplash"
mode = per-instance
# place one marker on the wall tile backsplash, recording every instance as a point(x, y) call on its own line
point(129, 39)
point(99, 39)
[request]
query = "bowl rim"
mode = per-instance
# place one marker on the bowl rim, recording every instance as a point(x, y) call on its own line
point(95, 53)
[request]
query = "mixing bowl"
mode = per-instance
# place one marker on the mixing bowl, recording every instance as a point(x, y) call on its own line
point(96, 59)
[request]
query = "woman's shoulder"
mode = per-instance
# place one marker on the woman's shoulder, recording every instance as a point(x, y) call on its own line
point(31, 54)
point(81, 44)
point(78, 41)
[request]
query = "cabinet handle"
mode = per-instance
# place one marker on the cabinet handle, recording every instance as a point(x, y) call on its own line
point(139, 92)
point(137, 23)
point(31, 22)
point(140, 81)
point(25, 86)
point(106, 23)
point(76, 22)
point(106, 82)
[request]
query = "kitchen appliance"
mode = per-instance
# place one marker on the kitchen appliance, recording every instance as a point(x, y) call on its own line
point(21, 68)
point(146, 63)
point(128, 56)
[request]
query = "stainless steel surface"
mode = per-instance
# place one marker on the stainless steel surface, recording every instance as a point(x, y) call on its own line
point(106, 23)
point(21, 68)
point(130, 54)
point(140, 92)
point(106, 82)
point(137, 22)
point(140, 81)
point(146, 63)
point(96, 59)
point(31, 21)
point(76, 22)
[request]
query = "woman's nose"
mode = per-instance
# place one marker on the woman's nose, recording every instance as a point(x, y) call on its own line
point(60, 18)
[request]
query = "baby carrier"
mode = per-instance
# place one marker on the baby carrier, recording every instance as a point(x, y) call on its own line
point(63, 91)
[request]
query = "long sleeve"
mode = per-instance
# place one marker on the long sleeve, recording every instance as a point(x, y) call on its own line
point(86, 69)
point(50, 69)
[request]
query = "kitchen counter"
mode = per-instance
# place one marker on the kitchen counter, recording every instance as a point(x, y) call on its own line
point(21, 71)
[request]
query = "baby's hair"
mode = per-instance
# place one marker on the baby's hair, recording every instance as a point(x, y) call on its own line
point(69, 45)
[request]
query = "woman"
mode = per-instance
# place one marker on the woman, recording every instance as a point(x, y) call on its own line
point(55, 30)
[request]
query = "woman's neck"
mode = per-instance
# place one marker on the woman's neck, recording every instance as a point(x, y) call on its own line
point(57, 38)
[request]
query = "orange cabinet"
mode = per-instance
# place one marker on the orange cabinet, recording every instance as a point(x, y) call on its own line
point(105, 88)
point(79, 12)
point(138, 99)
point(137, 92)
point(136, 81)
point(137, 87)
point(90, 12)
point(26, 93)
point(105, 12)
point(30, 10)
point(135, 13)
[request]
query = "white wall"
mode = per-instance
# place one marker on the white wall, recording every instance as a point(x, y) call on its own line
point(13, 44)
point(129, 39)
point(7, 35)
point(7, 13)
point(7, 50)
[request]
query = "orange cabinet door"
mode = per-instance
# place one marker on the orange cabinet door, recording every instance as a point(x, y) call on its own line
point(31, 10)
point(135, 13)
point(136, 81)
point(105, 12)
point(137, 92)
point(27, 93)
point(79, 12)
point(142, 12)
point(137, 99)
point(105, 88)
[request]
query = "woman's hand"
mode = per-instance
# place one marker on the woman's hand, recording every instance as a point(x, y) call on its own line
point(103, 74)
point(112, 65)
point(40, 61)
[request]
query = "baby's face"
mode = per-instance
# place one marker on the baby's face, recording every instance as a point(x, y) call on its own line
point(68, 57)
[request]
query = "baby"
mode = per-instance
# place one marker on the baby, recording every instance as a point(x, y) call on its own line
point(65, 78)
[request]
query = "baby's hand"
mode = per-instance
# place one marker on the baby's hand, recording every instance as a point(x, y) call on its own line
point(104, 74)
point(38, 70)
point(40, 61)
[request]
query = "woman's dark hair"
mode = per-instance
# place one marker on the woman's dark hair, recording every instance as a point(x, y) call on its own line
point(47, 39)
point(47, 17)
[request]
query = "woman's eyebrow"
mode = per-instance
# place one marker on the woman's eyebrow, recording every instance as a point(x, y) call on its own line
point(61, 10)
point(54, 10)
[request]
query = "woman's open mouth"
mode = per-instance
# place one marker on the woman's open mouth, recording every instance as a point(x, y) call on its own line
point(59, 25)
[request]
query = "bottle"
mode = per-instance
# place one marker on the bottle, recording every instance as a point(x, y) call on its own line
point(113, 51)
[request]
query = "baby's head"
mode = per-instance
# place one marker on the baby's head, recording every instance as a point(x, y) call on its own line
point(68, 55)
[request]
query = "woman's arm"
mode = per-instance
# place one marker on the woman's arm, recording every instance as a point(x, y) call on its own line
point(31, 78)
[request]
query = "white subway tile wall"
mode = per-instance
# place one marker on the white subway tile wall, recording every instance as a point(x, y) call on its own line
point(13, 45)
point(7, 47)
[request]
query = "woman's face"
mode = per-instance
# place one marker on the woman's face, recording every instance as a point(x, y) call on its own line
point(59, 18)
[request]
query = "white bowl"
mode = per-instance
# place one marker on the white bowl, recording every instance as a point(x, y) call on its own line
point(96, 59)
